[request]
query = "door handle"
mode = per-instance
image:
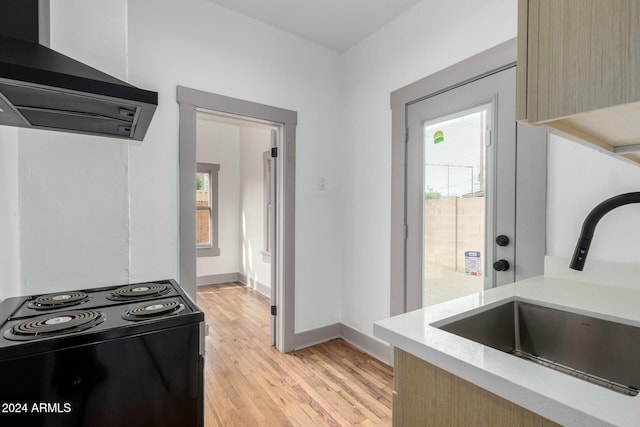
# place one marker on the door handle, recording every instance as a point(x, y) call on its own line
point(501, 265)
point(502, 240)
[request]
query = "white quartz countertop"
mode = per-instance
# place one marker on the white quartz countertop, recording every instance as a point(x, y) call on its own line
point(560, 397)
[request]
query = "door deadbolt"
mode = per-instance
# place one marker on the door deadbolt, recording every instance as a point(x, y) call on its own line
point(501, 265)
point(502, 240)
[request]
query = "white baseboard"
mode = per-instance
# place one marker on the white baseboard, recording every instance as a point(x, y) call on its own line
point(316, 336)
point(254, 284)
point(370, 345)
point(216, 279)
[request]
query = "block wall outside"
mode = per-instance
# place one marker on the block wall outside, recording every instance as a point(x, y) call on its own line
point(452, 226)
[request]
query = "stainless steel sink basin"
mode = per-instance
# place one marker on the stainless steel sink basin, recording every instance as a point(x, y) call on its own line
point(599, 351)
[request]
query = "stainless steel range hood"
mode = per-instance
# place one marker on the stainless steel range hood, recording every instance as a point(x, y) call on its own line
point(43, 89)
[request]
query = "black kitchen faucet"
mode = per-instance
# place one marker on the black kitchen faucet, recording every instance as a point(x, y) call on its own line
point(590, 222)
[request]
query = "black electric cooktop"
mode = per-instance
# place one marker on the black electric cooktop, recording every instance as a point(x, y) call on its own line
point(50, 321)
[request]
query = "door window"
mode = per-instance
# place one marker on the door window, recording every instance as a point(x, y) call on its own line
point(454, 204)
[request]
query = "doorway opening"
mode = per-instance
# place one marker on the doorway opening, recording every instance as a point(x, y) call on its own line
point(234, 209)
point(237, 182)
point(233, 200)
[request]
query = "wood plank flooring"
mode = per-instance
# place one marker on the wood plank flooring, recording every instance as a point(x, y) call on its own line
point(249, 383)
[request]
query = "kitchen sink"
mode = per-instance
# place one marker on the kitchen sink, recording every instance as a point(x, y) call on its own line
point(596, 350)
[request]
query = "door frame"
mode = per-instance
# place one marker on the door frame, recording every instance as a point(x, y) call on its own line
point(530, 171)
point(189, 101)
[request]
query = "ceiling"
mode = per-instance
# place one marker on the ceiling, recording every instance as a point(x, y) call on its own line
point(337, 24)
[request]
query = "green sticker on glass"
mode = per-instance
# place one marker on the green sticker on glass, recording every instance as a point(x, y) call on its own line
point(438, 137)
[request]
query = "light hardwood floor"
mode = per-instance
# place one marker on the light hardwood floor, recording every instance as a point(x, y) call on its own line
point(249, 383)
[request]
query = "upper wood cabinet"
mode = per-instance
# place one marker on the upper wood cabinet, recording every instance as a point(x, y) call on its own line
point(579, 71)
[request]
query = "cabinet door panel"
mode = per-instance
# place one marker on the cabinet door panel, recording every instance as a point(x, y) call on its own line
point(430, 396)
point(587, 56)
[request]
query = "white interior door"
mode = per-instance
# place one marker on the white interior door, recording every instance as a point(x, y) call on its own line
point(271, 227)
point(460, 184)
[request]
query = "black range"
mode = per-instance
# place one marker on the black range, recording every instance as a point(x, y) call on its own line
point(122, 355)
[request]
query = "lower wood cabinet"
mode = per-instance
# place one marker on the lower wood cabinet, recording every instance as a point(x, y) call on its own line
point(425, 395)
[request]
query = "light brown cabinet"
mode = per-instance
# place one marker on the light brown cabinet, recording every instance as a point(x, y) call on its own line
point(425, 395)
point(579, 71)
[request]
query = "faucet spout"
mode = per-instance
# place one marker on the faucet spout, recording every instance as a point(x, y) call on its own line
point(589, 226)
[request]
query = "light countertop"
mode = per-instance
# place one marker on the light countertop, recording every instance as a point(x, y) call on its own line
point(554, 395)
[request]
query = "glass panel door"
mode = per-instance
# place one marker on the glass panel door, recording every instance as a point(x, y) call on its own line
point(460, 187)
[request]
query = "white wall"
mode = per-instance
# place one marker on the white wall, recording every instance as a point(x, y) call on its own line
point(9, 214)
point(73, 189)
point(254, 142)
point(199, 44)
point(93, 31)
point(427, 38)
point(74, 223)
point(219, 143)
point(579, 179)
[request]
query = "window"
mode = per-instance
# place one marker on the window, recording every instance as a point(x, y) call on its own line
point(207, 209)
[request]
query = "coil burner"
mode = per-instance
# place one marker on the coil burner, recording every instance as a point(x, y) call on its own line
point(54, 324)
point(58, 300)
point(139, 291)
point(154, 309)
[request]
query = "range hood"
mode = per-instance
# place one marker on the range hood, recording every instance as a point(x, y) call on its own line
point(43, 89)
